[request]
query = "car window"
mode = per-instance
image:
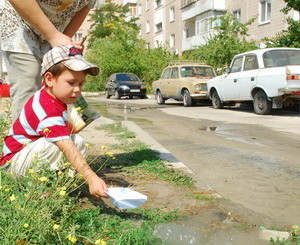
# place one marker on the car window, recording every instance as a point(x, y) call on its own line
point(276, 58)
point(127, 77)
point(237, 64)
point(166, 73)
point(174, 73)
point(250, 62)
point(196, 71)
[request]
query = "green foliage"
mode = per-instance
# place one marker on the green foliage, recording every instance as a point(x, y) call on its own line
point(294, 4)
point(115, 47)
point(109, 18)
point(229, 39)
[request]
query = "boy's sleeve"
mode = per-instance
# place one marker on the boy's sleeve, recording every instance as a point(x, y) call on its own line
point(53, 129)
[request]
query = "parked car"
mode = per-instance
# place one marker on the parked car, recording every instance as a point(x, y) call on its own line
point(4, 88)
point(125, 84)
point(184, 81)
point(268, 78)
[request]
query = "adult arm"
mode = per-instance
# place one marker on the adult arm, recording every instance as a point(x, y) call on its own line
point(31, 12)
point(97, 186)
point(76, 22)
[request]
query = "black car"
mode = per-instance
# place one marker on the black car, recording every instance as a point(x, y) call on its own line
point(125, 84)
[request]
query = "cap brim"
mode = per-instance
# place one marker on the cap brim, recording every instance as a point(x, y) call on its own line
point(81, 65)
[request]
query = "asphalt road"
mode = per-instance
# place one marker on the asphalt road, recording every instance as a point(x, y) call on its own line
point(250, 159)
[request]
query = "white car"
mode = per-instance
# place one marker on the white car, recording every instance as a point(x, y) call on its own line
point(269, 77)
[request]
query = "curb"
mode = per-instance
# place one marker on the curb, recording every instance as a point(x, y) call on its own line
point(154, 145)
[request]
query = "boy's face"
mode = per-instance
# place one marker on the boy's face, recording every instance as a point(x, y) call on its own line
point(67, 86)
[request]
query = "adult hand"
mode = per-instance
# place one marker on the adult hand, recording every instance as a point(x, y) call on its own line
point(97, 187)
point(61, 39)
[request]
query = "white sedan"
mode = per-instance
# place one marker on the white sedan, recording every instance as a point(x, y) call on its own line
point(270, 78)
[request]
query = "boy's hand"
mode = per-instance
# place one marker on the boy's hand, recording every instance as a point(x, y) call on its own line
point(97, 187)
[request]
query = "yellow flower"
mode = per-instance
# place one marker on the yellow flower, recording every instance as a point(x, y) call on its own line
point(63, 188)
point(59, 173)
point(7, 190)
point(103, 147)
point(31, 171)
point(1, 187)
point(56, 227)
point(8, 162)
point(46, 130)
point(78, 108)
point(66, 164)
point(72, 238)
point(26, 225)
point(25, 195)
point(100, 242)
point(109, 154)
point(62, 193)
point(43, 179)
point(12, 198)
point(86, 144)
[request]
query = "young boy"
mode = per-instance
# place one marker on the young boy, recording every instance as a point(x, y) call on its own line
point(42, 130)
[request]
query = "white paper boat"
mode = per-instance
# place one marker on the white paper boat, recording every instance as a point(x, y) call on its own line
point(125, 198)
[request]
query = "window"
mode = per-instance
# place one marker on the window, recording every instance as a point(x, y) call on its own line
point(147, 5)
point(139, 10)
point(237, 14)
point(174, 73)
point(166, 73)
point(237, 65)
point(132, 10)
point(157, 3)
point(265, 11)
point(172, 41)
point(250, 63)
point(158, 27)
point(78, 37)
point(172, 14)
point(147, 26)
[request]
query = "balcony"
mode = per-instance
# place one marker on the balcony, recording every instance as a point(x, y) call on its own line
point(125, 2)
point(196, 40)
point(194, 8)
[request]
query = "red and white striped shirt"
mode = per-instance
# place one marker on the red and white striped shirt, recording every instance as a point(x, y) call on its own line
point(42, 116)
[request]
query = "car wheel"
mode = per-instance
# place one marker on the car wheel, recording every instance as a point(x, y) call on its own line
point(107, 96)
point(187, 99)
point(261, 104)
point(117, 95)
point(216, 102)
point(130, 97)
point(143, 97)
point(160, 100)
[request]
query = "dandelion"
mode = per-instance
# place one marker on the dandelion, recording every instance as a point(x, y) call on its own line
point(87, 144)
point(109, 154)
point(8, 162)
point(63, 188)
point(66, 164)
point(78, 108)
point(43, 179)
point(25, 195)
point(100, 242)
point(31, 171)
point(7, 190)
point(12, 198)
point(26, 225)
point(62, 193)
point(46, 130)
point(72, 238)
point(56, 227)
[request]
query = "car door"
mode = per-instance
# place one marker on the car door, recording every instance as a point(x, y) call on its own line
point(111, 85)
point(229, 88)
point(161, 84)
point(247, 78)
point(172, 85)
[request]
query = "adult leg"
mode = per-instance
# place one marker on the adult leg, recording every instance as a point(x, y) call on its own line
point(24, 77)
point(38, 152)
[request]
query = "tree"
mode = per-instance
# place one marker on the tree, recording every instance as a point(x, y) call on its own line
point(291, 36)
point(108, 18)
point(228, 40)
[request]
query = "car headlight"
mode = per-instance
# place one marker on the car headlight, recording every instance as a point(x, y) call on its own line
point(124, 87)
point(143, 87)
point(198, 87)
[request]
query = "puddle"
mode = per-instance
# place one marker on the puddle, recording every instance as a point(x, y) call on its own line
point(174, 234)
point(223, 132)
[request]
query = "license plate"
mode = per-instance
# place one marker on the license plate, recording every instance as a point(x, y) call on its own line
point(134, 90)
